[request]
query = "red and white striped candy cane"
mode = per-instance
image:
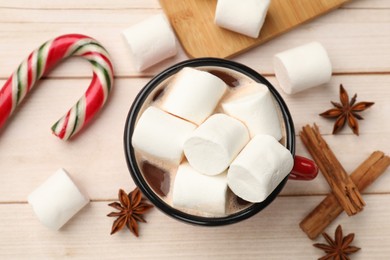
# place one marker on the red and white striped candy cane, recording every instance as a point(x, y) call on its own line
point(46, 57)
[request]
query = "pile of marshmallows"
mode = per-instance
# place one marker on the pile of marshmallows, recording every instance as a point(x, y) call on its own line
point(238, 148)
point(152, 41)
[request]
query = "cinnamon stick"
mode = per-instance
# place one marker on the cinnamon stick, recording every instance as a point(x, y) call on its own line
point(371, 169)
point(343, 188)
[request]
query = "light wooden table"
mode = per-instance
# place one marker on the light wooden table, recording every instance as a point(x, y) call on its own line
point(357, 37)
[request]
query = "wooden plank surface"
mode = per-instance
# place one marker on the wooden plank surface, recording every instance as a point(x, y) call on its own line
point(193, 22)
point(357, 38)
point(347, 33)
point(271, 234)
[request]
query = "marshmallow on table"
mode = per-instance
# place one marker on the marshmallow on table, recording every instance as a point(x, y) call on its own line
point(245, 17)
point(150, 41)
point(193, 95)
point(196, 191)
point(215, 143)
point(259, 168)
point(256, 109)
point(161, 135)
point(302, 67)
point(57, 200)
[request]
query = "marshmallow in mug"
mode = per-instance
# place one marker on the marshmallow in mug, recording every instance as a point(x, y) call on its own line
point(150, 41)
point(256, 109)
point(196, 191)
point(161, 135)
point(259, 168)
point(245, 17)
point(302, 67)
point(214, 144)
point(57, 200)
point(193, 95)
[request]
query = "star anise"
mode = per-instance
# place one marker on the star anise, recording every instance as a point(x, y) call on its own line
point(131, 208)
point(346, 112)
point(339, 248)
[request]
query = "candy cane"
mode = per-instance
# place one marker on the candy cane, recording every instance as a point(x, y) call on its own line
point(45, 58)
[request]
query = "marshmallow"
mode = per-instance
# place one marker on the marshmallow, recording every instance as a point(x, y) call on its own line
point(150, 41)
point(259, 168)
point(302, 67)
point(193, 95)
point(161, 135)
point(215, 143)
point(57, 200)
point(256, 109)
point(196, 191)
point(243, 17)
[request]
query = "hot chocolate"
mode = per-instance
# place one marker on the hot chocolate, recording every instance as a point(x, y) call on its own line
point(160, 174)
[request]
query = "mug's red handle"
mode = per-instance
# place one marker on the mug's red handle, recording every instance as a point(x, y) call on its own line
point(304, 169)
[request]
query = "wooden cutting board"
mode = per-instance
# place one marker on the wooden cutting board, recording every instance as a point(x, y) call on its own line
point(193, 22)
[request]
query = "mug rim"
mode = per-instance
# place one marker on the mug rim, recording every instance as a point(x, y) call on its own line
point(132, 162)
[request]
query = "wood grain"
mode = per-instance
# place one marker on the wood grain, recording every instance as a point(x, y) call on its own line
point(357, 37)
point(193, 21)
point(354, 45)
point(87, 236)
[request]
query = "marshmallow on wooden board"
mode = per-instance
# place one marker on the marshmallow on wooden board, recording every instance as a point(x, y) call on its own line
point(57, 200)
point(150, 41)
point(161, 135)
point(259, 168)
point(196, 191)
point(245, 17)
point(214, 144)
point(302, 67)
point(193, 95)
point(256, 109)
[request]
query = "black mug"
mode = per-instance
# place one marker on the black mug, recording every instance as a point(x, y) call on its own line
point(304, 169)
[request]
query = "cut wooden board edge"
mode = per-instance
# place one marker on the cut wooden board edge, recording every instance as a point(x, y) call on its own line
point(266, 39)
point(249, 43)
